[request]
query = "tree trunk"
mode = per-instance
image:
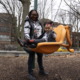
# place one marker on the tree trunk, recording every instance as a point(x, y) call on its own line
point(26, 4)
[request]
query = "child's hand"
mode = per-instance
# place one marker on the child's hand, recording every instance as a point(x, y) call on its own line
point(31, 41)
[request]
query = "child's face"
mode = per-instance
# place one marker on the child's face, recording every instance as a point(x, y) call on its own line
point(48, 28)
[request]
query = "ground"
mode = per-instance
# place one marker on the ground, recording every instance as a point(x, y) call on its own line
point(59, 67)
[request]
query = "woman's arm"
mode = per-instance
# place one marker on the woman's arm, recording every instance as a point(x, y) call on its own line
point(26, 30)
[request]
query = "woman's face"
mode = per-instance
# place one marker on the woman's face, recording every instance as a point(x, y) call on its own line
point(34, 16)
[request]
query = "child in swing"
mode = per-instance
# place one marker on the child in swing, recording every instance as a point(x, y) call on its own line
point(48, 36)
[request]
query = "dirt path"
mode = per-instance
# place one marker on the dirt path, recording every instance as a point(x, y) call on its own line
point(65, 67)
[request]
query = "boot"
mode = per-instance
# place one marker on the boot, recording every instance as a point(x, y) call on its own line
point(43, 73)
point(31, 77)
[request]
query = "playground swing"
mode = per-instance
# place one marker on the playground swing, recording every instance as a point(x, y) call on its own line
point(50, 47)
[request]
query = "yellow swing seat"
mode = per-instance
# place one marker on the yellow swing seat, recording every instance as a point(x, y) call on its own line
point(62, 32)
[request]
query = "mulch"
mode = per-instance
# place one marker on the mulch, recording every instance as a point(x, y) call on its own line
point(59, 67)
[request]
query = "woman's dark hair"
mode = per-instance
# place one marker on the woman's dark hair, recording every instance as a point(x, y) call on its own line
point(31, 13)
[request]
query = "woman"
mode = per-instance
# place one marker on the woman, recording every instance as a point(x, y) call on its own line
point(31, 25)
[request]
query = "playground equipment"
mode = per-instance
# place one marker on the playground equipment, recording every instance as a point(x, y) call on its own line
point(63, 32)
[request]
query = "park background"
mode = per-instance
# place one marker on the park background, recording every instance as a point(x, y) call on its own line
point(14, 12)
point(13, 60)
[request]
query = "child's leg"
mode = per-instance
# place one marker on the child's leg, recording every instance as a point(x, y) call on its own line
point(21, 43)
point(39, 40)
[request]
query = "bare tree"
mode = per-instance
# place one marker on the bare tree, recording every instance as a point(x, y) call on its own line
point(74, 6)
point(18, 9)
point(13, 8)
point(45, 9)
point(25, 5)
point(62, 17)
point(10, 10)
point(74, 9)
